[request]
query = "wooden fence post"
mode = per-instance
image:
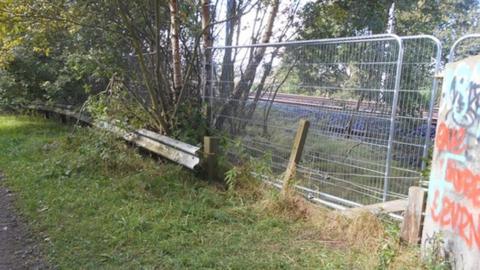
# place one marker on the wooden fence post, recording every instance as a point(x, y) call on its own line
point(296, 153)
point(411, 230)
point(210, 151)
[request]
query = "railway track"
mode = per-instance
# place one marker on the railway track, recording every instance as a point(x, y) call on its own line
point(330, 103)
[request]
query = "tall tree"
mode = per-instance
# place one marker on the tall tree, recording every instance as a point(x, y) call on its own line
point(340, 18)
point(149, 48)
point(243, 87)
point(207, 52)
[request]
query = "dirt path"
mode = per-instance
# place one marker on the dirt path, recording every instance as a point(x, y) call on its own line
point(17, 248)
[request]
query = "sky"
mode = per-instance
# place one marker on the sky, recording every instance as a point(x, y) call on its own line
point(249, 17)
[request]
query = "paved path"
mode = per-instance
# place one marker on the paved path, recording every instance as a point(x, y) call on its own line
point(17, 249)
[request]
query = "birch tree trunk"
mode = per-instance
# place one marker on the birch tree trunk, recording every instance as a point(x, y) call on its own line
point(207, 52)
point(174, 39)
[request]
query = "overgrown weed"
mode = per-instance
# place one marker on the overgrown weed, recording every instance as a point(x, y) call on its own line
point(372, 240)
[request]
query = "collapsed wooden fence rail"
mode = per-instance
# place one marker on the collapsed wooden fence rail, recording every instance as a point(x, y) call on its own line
point(174, 150)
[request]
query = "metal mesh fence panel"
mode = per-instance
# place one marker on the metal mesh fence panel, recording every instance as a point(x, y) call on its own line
point(416, 117)
point(368, 100)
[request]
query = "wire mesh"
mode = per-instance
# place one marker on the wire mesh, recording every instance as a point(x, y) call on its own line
point(416, 114)
point(370, 114)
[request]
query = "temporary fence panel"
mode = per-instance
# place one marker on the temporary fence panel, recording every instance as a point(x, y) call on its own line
point(416, 113)
point(362, 101)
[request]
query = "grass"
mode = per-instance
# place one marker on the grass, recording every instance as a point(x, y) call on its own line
point(95, 202)
point(346, 167)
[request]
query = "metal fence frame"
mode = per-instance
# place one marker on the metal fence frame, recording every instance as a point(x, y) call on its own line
point(451, 55)
point(378, 37)
point(397, 84)
point(438, 61)
point(393, 116)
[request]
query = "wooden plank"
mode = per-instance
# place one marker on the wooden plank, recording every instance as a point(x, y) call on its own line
point(296, 153)
point(411, 229)
point(186, 159)
point(210, 151)
point(180, 157)
point(185, 147)
point(385, 207)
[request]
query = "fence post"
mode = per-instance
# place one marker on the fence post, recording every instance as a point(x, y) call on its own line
point(393, 115)
point(412, 221)
point(296, 153)
point(210, 151)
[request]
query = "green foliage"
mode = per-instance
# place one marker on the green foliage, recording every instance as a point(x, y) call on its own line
point(434, 255)
point(242, 170)
point(63, 79)
point(340, 18)
point(55, 51)
point(67, 52)
point(388, 249)
point(428, 165)
point(26, 77)
point(114, 104)
point(190, 125)
point(231, 177)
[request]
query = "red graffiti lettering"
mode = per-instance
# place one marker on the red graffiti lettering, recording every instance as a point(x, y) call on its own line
point(450, 140)
point(458, 218)
point(464, 182)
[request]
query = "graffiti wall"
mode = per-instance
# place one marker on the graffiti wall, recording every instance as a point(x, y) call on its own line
point(453, 210)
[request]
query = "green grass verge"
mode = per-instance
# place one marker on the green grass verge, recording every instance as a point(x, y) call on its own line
point(96, 203)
